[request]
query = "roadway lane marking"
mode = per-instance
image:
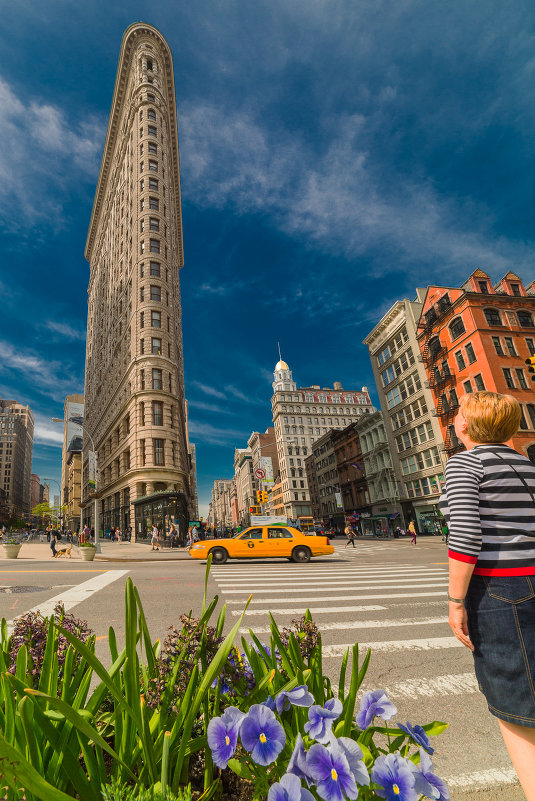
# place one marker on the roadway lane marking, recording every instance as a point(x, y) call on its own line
point(81, 592)
point(352, 584)
point(349, 580)
point(241, 577)
point(483, 778)
point(450, 684)
point(367, 624)
point(296, 609)
point(425, 644)
point(384, 597)
point(65, 570)
point(300, 569)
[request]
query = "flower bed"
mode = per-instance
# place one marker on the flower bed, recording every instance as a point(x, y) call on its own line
point(198, 718)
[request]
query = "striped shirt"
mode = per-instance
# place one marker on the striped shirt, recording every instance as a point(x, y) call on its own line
point(489, 511)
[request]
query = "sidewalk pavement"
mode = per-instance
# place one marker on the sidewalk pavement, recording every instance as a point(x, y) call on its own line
point(111, 552)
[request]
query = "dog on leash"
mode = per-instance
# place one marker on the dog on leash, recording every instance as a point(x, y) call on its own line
point(63, 553)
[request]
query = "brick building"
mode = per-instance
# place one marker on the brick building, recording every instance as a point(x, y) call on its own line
point(353, 483)
point(478, 337)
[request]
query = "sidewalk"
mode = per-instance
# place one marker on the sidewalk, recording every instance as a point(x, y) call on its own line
point(111, 552)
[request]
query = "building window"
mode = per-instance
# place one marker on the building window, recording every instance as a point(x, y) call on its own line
point(492, 316)
point(516, 289)
point(521, 378)
point(153, 165)
point(142, 293)
point(158, 451)
point(142, 454)
point(509, 344)
point(152, 130)
point(525, 319)
point(142, 346)
point(156, 346)
point(468, 387)
point(142, 320)
point(523, 423)
point(483, 287)
point(457, 328)
point(478, 379)
point(155, 269)
point(470, 353)
point(151, 114)
point(531, 346)
point(531, 412)
point(154, 224)
point(142, 184)
point(461, 364)
point(154, 203)
point(153, 184)
point(508, 378)
point(155, 293)
point(498, 346)
point(142, 376)
point(157, 413)
point(156, 319)
point(156, 378)
point(142, 247)
point(154, 245)
point(153, 147)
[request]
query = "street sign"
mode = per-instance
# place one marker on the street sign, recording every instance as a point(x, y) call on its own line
point(260, 473)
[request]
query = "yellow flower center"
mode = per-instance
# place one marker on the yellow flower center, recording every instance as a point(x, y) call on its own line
point(334, 775)
point(395, 788)
point(227, 740)
point(262, 738)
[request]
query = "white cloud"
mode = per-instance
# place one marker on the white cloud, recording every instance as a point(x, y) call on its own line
point(42, 150)
point(338, 199)
point(203, 432)
point(65, 331)
point(48, 376)
point(46, 432)
point(208, 407)
point(216, 393)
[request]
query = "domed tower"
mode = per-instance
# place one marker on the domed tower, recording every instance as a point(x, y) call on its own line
point(283, 378)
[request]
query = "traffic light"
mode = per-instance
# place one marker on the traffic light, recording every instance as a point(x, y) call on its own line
point(255, 510)
point(261, 496)
point(264, 497)
point(531, 368)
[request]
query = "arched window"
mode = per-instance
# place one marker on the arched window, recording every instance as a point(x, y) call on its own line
point(525, 319)
point(457, 327)
point(531, 453)
point(492, 316)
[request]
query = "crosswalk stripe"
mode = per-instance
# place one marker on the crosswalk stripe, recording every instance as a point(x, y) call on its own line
point(424, 644)
point(483, 778)
point(349, 580)
point(365, 624)
point(449, 684)
point(248, 568)
point(354, 585)
point(304, 576)
point(327, 610)
point(295, 610)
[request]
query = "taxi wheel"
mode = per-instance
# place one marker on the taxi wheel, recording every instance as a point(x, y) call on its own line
point(301, 554)
point(219, 556)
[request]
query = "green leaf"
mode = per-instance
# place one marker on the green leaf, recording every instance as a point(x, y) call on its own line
point(240, 769)
point(434, 728)
point(17, 771)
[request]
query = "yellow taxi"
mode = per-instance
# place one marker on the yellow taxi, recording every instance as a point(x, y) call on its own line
point(262, 542)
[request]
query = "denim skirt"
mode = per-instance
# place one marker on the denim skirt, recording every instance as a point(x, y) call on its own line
point(501, 622)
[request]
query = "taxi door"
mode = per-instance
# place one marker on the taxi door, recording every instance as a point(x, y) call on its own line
point(280, 541)
point(250, 544)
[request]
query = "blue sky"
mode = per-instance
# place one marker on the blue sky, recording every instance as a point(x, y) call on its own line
point(335, 154)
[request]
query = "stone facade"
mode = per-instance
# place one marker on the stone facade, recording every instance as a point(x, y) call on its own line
point(245, 483)
point(16, 447)
point(71, 478)
point(383, 491)
point(411, 424)
point(300, 417)
point(221, 508)
point(134, 388)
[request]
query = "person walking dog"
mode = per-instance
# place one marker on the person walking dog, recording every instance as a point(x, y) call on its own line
point(489, 505)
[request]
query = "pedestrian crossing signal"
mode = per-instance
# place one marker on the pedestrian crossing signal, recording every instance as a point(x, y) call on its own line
point(255, 510)
point(531, 368)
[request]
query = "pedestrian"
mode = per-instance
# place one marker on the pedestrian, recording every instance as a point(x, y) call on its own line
point(412, 531)
point(53, 542)
point(86, 533)
point(155, 538)
point(350, 534)
point(445, 533)
point(119, 534)
point(489, 506)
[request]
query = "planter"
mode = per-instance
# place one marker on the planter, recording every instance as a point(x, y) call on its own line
point(88, 553)
point(11, 551)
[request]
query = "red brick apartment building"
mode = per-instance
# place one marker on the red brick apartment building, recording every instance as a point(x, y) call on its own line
point(479, 337)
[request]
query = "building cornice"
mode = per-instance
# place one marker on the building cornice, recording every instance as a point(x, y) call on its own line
point(130, 40)
point(385, 321)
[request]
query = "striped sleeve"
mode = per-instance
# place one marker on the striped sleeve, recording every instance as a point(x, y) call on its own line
point(464, 473)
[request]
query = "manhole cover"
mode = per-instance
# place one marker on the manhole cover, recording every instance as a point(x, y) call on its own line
point(16, 590)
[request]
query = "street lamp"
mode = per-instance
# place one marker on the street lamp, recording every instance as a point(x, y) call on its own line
point(95, 510)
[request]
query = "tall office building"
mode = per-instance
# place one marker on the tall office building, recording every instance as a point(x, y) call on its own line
point(300, 417)
point(134, 388)
point(16, 447)
point(71, 460)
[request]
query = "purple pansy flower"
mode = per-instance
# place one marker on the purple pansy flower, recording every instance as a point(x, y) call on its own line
point(427, 783)
point(353, 754)
point(331, 774)
point(372, 704)
point(222, 735)
point(418, 735)
point(321, 719)
point(262, 735)
point(289, 789)
point(299, 696)
point(298, 761)
point(395, 778)
point(270, 703)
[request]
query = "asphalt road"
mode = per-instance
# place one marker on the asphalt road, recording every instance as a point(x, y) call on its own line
point(387, 594)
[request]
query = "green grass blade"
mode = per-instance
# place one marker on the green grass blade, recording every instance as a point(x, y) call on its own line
point(17, 772)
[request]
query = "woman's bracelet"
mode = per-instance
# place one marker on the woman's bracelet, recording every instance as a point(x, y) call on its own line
point(456, 600)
